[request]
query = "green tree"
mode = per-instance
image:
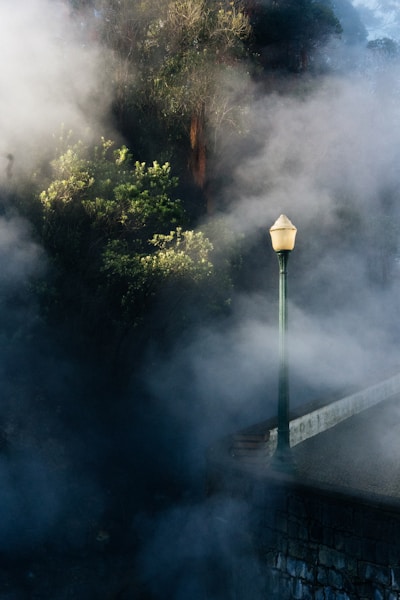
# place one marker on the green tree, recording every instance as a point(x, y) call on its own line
point(115, 237)
point(171, 59)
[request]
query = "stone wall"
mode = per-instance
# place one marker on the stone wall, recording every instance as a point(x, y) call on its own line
point(331, 547)
point(315, 544)
point(307, 541)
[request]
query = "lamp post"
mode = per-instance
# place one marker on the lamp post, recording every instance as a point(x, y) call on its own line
point(283, 235)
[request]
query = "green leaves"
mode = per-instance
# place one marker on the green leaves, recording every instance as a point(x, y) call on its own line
point(73, 178)
point(195, 37)
point(113, 224)
point(181, 253)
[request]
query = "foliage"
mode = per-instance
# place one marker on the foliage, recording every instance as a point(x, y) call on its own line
point(180, 253)
point(115, 237)
point(171, 60)
point(197, 38)
point(173, 47)
point(180, 260)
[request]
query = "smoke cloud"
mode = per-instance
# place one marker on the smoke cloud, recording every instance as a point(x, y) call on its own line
point(328, 158)
point(340, 140)
point(48, 78)
point(329, 161)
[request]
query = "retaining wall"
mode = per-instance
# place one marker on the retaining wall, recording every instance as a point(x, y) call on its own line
point(307, 541)
point(326, 547)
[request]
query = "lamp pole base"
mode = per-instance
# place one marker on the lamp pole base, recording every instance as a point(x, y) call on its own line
point(283, 462)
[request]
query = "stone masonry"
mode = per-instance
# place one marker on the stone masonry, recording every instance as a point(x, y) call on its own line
point(324, 546)
point(315, 544)
point(331, 531)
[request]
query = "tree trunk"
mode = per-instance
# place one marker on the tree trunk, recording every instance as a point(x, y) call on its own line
point(198, 154)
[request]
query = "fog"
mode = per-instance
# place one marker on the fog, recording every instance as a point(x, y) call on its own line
point(49, 78)
point(329, 163)
point(328, 159)
point(49, 81)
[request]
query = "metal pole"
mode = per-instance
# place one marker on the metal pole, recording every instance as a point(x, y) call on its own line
point(283, 459)
point(283, 392)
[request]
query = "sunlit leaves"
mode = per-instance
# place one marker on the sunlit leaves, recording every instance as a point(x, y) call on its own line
point(180, 258)
point(195, 37)
point(72, 178)
point(113, 224)
point(180, 253)
point(175, 51)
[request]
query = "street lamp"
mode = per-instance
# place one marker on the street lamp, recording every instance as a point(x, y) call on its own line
point(283, 235)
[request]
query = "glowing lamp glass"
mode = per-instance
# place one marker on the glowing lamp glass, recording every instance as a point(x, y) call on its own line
point(283, 234)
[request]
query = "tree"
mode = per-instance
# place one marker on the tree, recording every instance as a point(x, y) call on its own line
point(171, 61)
point(116, 240)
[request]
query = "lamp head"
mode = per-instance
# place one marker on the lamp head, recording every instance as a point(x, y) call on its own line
point(283, 234)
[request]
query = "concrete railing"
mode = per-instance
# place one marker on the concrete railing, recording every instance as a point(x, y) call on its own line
point(328, 416)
